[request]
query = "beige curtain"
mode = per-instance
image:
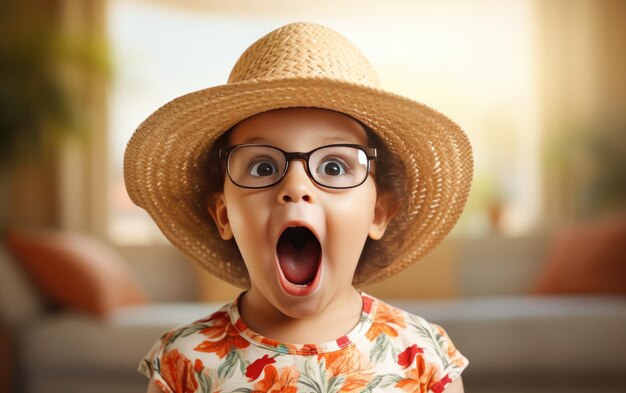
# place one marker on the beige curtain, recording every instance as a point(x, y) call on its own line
point(54, 187)
point(583, 94)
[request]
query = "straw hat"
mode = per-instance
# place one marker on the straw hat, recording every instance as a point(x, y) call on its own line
point(298, 65)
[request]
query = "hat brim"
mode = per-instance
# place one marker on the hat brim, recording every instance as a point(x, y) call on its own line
point(162, 158)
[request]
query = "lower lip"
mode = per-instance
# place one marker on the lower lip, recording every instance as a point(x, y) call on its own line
point(299, 290)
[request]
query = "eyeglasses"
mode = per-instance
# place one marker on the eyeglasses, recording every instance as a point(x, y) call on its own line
point(333, 166)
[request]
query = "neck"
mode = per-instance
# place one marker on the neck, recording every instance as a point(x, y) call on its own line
point(334, 319)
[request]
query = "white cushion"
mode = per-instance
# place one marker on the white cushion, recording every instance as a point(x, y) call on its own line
point(79, 342)
point(519, 336)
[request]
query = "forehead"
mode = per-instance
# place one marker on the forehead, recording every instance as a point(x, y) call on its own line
point(296, 128)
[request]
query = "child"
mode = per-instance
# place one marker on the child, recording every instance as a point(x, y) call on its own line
point(296, 181)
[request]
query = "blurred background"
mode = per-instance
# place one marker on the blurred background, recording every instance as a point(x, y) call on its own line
point(531, 280)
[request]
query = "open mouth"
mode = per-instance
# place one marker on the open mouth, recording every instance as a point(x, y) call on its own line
point(299, 253)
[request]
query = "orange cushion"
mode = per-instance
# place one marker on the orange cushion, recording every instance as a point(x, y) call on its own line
point(586, 259)
point(75, 271)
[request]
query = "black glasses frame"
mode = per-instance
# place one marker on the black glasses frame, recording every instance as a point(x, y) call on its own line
point(370, 152)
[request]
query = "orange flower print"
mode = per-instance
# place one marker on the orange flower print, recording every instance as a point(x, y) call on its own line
point(273, 382)
point(198, 366)
point(350, 363)
point(385, 316)
point(417, 379)
point(229, 336)
point(218, 322)
point(178, 372)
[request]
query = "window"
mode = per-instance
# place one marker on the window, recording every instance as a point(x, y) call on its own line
point(473, 61)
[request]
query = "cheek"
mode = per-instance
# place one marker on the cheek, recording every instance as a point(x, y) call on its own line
point(247, 220)
point(356, 209)
point(348, 225)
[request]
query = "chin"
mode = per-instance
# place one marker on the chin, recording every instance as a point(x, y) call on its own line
point(301, 308)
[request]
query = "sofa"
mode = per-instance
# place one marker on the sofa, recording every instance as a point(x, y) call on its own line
point(516, 340)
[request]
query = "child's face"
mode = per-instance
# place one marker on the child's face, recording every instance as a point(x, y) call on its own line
point(299, 271)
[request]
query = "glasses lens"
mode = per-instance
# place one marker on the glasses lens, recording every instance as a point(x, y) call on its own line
point(255, 166)
point(339, 166)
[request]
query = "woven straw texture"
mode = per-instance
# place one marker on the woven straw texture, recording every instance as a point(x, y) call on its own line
point(298, 65)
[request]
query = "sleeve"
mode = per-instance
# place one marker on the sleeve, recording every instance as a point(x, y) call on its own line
point(169, 366)
point(452, 361)
point(146, 366)
point(151, 365)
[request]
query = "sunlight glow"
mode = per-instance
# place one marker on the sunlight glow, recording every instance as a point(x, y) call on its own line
point(473, 61)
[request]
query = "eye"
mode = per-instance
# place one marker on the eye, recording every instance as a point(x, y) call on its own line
point(263, 168)
point(332, 167)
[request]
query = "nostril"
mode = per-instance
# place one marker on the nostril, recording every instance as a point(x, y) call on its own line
point(292, 197)
point(288, 198)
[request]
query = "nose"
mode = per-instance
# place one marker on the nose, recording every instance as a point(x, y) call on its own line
point(296, 186)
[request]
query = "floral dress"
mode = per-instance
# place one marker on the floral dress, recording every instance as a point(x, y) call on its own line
point(389, 350)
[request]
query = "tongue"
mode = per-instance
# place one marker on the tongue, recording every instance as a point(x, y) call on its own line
point(298, 255)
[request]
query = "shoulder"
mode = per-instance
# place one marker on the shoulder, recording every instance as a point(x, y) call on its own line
point(407, 324)
point(176, 345)
point(412, 352)
point(404, 322)
point(211, 325)
point(413, 335)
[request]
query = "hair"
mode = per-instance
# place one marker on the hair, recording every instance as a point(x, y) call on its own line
point(390, 179)
point(389, 176)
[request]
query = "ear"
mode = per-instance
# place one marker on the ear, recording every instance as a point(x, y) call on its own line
point(384, 211)
point(216, 205)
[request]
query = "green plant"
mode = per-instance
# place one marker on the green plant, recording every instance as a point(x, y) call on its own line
point(36, 111)
point(606, 189)
point(591, 160)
